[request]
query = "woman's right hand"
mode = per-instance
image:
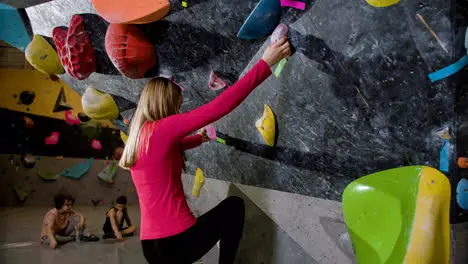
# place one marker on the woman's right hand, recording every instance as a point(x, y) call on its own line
point(277, 51)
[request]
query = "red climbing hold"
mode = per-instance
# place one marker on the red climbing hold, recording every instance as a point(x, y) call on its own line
point(216, 83)
point(52, 139)
point(130, 51)
point(71, 119)
point(96, 144)
point(75, 49)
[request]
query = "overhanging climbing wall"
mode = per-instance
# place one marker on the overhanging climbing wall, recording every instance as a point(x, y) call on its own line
point(354, 99)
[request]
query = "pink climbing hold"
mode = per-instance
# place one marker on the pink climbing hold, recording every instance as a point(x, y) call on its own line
point(293, 4)
point(280, 31)
point(95, 144)
point(71, 119)
point(216, 83)
point(75, 49)
point(211, 131)
point(52, 139)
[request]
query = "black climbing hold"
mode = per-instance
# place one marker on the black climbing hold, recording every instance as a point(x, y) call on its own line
point(27, 97)
point(83, 117)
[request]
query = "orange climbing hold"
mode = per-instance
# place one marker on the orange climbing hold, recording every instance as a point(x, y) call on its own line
point(132, 12)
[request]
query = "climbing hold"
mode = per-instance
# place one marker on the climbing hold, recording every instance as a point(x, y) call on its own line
point(48, 176)
point(395, 215)
point(198, 182)
point(71, 119)
point(463, 162)
point(83, 117)
point(43, 57)
point(61, 102)
point(262, 21)
point(78, 170)
point(60, 157)
point(126, 121)
point(27, 97)
point(96, 144)
point(184, 4)
point(52, 139)
point(20, 194)
point(124, 137)
point(130, 12)
point(108, 173)
point(280, 31)
point(211, 131)
point(99, 105)
point(382, 3)
point(28, 122)
point(280, 67)
point(29, 161)
point(129, 50)
point(75, 49)
point(444, 133)
point(449, 70)
point(294, 4)
point(215, 82)
point(266, 125)
point(462, 194)
point(444, 157)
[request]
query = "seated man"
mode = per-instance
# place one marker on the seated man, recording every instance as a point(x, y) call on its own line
point(115, 218)
point(61, 224)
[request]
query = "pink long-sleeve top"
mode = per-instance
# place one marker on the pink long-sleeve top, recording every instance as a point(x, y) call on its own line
point(157, 173)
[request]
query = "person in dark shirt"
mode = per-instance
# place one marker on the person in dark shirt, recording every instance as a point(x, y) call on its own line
point(116, 217)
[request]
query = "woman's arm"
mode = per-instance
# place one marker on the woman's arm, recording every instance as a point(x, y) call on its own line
point(190, 142)
point(181, 125)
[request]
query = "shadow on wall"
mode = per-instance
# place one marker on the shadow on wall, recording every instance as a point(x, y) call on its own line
point(263, 241)
point(259, 238)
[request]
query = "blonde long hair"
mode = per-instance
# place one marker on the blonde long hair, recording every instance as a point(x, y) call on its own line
point(159, 99)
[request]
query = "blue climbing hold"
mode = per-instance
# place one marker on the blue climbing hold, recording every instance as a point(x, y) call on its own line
point(78, 170)
point(262, 21)
point(12, 29)
point(462, 193)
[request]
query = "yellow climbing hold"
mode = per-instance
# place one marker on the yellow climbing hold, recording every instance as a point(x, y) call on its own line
point(123, 136)
point(267, 126)
point(42, 56)
point(382, 3)
point(198, 182)
point(99, 105)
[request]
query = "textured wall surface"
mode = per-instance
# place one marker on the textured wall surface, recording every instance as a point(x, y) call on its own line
point(354, 99)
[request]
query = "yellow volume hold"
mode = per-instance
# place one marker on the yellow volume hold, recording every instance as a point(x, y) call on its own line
point(382, 3)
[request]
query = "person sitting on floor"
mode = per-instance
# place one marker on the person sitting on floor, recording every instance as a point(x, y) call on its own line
point(62, 224)
point(115, 218)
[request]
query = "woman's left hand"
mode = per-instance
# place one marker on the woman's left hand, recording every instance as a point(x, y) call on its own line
point(202, 132)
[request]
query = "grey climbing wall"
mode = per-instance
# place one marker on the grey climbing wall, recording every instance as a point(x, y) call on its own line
point(354, 98)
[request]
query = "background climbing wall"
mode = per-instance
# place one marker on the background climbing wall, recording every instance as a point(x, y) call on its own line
point(354, 99)
point(40, 192)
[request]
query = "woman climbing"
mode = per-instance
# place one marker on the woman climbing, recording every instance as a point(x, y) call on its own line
point(154, 153)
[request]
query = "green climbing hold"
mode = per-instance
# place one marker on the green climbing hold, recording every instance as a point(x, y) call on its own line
point(21, 194)
point(78, 170)
point(48, 176)
point(108, 173)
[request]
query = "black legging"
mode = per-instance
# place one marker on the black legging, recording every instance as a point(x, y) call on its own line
point(223, 223)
